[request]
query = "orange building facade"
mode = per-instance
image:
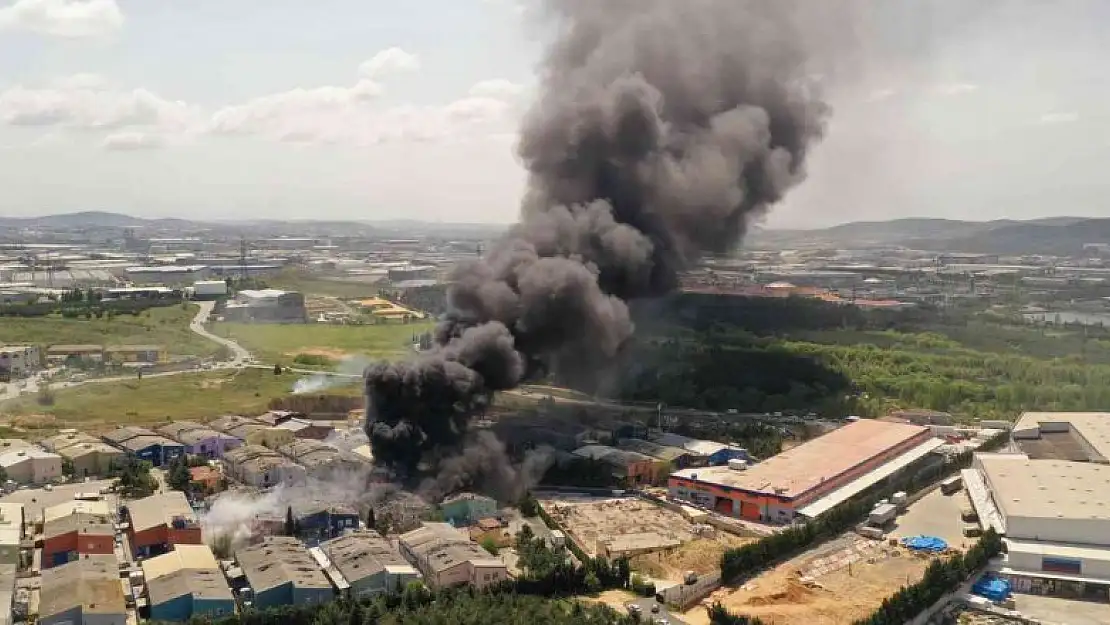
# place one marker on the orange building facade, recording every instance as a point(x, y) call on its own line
point(770, 492)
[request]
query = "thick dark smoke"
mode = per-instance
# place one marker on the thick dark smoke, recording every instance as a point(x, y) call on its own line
point(662, 128)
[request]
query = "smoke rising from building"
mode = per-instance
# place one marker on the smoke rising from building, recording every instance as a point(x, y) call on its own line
point(661, 129)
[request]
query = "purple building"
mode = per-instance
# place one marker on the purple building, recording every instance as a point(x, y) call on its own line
point(200, 440)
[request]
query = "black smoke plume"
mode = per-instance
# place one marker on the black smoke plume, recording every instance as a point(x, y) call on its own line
point(661, 129)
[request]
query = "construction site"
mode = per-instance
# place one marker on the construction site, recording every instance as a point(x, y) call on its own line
point(841, 581)
point(662, 543)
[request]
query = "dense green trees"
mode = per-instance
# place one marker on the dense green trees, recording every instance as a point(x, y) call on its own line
point(133, 478)
point(416, 606)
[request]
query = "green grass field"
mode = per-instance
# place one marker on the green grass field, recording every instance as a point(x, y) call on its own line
point(282, 343)
point(168, 326)
point(195, 396)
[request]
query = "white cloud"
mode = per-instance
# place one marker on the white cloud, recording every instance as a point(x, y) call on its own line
point(75, 19)
point(352, 115)
point(389, 61)
point(86, 104)
point(80, 81)
point(1059, 118)
point(957, 88)
point(132, 141)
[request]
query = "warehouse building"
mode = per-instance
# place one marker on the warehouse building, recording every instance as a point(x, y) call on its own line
point(800, 479)
point(145, 445)
point(364, 564)
point(73, 531)
point(267, 306)
point(86, 591)
point(676, 457)
point(319, 459)
point(446, 557)
point(280, 571)
point(468, 508)
point(629, 467)
point(200, 440)
point(186, 583)
point(7, 593)
point(19, 361)
point(709, 453)
point(262, 467)
point(66, 438)
point(11, 534)
point(1050, 503)
point(31, 465)
point(160, 522)
point(92, 459)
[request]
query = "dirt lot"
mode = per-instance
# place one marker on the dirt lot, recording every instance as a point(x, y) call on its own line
point(589, 519)
point(702, 556)
point(843, 580)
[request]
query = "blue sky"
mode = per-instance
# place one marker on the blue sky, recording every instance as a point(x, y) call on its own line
point(382, 109)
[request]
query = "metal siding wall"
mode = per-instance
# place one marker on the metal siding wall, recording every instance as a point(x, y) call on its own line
point(177, 609)
point(213, 607)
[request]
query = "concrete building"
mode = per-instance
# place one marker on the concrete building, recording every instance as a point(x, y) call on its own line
point(306, 430)
point(200, 440)
point(19, 361)
point(93, 459)
point(187, 583)
point(319, 459)
point(467, 508)
point(262, 467)
point(87, 529)
point(31, 466)
point(446, 557)
point(14, 444)
point(170, 275)
point(1054, 518)
point(88, 591)
point(136, 354)
point(675, 457)
point(710, 453)
point(281, 571)
point(60, 354)
point(66, 438)
point(778, 488)
point(267, 306)
point(161, 521)
point(145, 445)
point(11, 534)
point(629, 467)
point(362, 564)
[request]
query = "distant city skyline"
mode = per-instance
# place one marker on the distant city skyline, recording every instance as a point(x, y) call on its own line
point(373, 110)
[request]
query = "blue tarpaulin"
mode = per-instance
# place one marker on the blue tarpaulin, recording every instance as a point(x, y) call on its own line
point(925, 543)
point(994, 588)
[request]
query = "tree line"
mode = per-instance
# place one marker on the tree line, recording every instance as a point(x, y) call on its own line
point(416, 605)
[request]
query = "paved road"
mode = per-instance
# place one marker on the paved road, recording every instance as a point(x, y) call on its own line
point(647, 616)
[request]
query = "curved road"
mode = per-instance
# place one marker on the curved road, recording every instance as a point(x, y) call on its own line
point(241, 357)
point(239, 353)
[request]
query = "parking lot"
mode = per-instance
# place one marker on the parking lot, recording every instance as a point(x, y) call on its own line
point(935, 514)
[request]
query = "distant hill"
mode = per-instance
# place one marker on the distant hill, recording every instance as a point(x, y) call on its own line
point(1059, 236)
point(85, 219)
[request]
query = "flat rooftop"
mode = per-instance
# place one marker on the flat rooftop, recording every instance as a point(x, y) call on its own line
point(1077, 436)
point(1047, 488)
point(797, 471)
point(160, 509)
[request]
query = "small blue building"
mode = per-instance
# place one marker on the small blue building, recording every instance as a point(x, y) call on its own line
point(468, 508)
point(145, 445)
point(280, 571)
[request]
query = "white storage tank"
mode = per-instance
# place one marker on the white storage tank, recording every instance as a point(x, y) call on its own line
point(737, 464)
